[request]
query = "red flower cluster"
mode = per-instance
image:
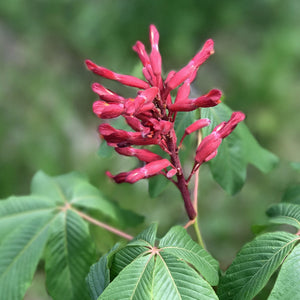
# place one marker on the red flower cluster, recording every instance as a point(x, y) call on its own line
point(152, 113)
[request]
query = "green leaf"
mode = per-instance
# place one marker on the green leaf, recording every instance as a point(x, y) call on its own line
point(179, 244)
point(285, 213)
point(99, 274)
point(292, 194)
point(20, 253)
point(135, 248)
point(254, 265)
point(171, 270)
point(157, 184)
point(240, 148)
point(18, 210)
point(69, 253)
point(287, 285)
point(75, 189)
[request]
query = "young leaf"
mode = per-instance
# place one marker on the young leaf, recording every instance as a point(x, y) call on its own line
point(99, 275)
point(287, 285)
point(20, 253)
point(285, 213)
point(254, 265)
point(69, 254)
point(236, 151)
point(172, 270)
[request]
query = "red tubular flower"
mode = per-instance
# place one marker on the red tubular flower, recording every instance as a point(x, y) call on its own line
point(124, 79)
point(139, 48)
point(149, 170)
point(194, 64)
point(207, 147)
point(225, 128)
point(208, 100)
point(155, 57)
point(125, 138)
point(197, 125)
point(142, 154)
point(105, 110)
point(106, 94)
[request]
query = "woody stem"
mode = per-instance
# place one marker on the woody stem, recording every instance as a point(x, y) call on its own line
point(181, 182)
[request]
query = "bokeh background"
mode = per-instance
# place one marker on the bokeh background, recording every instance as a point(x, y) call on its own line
point(46, 120)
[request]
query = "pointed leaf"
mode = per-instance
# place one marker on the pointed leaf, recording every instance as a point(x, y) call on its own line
point(69, 254)
point(134, 281)
point(236, 151)
point(175, 280)
point(285, 213)
point(20, 253)
point(18, 210)
point(254, 265)
point(99, 275)
point(141, 243)
point(287, 285)
point(178, 243)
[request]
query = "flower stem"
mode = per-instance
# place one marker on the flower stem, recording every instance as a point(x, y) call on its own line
point(195, 202)
point(198, 233)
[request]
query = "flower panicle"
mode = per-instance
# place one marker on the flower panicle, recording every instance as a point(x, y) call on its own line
point(151, 115)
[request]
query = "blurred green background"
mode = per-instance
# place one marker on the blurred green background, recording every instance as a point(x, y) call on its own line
point(46, 120)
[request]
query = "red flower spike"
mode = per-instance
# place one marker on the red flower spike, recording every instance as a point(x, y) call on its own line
point(152, 113)
point(106, 94)
point(142, 154)
point(124, 79)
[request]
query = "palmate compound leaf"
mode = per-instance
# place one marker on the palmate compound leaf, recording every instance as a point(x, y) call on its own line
point(237, 150)
point(51, 199)
point(173, 270)
point(254, 265)
point(287, 285)
point(285, 213)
